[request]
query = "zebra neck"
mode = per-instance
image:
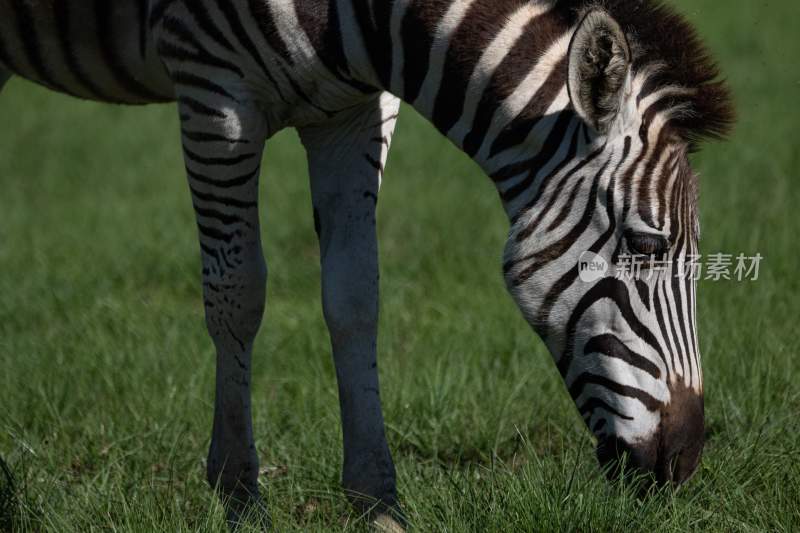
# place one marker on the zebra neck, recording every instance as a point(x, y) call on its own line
point(489, 74)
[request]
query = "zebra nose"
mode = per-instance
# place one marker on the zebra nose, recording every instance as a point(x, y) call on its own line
point(678, 467)
point(619, 458)
point(682, 436)
point(650, 462)
point(671, 455)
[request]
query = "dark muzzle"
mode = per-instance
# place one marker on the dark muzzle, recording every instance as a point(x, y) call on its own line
point(672, 455)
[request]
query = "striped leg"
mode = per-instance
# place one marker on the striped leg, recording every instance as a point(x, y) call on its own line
point(346, 158)
point(222, 150)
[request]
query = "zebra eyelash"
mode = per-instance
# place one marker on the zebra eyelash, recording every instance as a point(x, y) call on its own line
point(646, 244)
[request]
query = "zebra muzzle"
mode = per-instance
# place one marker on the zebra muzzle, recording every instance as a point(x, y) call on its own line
point(671, 456)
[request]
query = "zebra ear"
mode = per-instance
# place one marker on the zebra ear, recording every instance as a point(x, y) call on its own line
point(599, 62)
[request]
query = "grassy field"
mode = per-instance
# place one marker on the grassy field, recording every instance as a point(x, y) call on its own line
point(106, 371)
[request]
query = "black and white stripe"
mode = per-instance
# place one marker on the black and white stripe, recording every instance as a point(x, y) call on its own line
point(584, 130)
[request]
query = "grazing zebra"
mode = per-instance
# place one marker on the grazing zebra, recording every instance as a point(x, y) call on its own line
point(582, 112)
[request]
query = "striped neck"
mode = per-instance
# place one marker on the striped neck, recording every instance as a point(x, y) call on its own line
point(489, 75)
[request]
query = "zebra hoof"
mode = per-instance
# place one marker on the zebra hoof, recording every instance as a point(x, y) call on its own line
point(384, 522)
point(248, 512)
point(383, 515)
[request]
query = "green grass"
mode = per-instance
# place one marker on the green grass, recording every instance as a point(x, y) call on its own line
point(106, 371)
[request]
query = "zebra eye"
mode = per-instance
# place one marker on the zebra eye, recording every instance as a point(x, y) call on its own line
point(646, 243)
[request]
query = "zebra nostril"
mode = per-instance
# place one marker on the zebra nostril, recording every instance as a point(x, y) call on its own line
point(619, 458)
point(649, 459)
point(681, 466)
point(666, 469)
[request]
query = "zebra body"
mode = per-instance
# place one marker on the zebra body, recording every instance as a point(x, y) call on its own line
point(582, 113)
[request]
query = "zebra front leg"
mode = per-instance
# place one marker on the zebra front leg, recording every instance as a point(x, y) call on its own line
point(222, 150)
point(346, 157)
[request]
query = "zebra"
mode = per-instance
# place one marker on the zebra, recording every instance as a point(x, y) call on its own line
point(582, 113)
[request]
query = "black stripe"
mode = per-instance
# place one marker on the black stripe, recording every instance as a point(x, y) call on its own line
point(178, 29)
point(232, 334)
point(219, 258)
point(546, 154)
point(647, 178)
point(228, 9)
point(663, 328)
point(223, 183)
point(676, 292)
point(691, 287)
point(213, 233)
point(592, 404)
point(644, 183)
point(157, 10)
point(141, 20)
point(26, 30)
point(321, 25)
point(374, 163)
point(534, 224)
point(690, 290)
point(686, 345)
point(199, 107)
point(616, 291)
point(628, 180)
point(481, 24)
point(207, 25)
point(623, 390)
point(670, 168)
point(676, 345)
point(225, 258)
point(553, 141)
point(600, 424)
point(62, 17)
point(546, 182)
point(644, 293)
point(560, 247)
point(567, 207)
point(109, 48)
point(517, 131)
point(217, 161)
point(385, 120)
point(303, 96)
point(674, 208)
point(222, 200)
point(539, 34)
point(187, 79)
point(211, 252)
point(205, 137)
point(569, 278)
point(611, 346)
point(378, 41)
point(218, 215)
point(169, 51)
point(416, 34)
point(218, 287)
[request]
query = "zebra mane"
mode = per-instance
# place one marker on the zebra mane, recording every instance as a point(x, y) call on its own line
point(663, 38)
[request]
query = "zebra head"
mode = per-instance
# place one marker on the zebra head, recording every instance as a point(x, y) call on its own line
point(624, 341)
